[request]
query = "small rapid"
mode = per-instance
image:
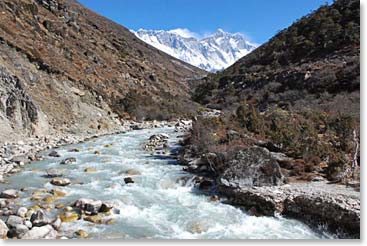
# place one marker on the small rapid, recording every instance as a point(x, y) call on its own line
point(156, 205)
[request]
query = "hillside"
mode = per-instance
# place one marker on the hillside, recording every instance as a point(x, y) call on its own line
point(297, 95)
point(312, 64)
point(64, 67)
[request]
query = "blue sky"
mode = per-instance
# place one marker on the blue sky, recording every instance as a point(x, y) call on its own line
point(258, 20)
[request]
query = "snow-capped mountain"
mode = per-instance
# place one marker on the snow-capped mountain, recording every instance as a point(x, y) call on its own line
point(212, 53)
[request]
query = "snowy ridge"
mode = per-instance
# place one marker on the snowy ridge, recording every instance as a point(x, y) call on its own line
point(212, 53)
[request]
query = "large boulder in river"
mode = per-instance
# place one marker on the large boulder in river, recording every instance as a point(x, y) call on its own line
point(252, 167)
point(89, 206)
point(9, 194)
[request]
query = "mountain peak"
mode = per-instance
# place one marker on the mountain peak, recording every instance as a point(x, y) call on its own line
point(212, 53)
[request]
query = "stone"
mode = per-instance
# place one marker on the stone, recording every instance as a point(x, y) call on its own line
point(133, 172)
point(52, 173)
point(74, 150)
point(68, 160)
point(22, 212)
point(60, 181)
point(54, 153)
point(58, 193)
point(81, 234)
point(97, 152)
point(59, 205)
point(214, 198)
point(20, 160)
point(90, 169)
point(19, 231)
point(253, 166)
point(69, 217)
point(14, 220)
point(49, 199)
point(43, 232)
point(96, 219)
point(89, 206)
point(3, 230)
point(28, 224)
point(56, 224)
point(105, 207)
point(39, 218)
point(128, 180)
point(9, 194)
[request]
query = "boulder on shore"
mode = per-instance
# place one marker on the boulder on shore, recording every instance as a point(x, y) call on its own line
point(252, 167)
point(9, 194)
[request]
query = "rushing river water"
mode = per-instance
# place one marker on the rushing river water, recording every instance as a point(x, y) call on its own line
point(156, 205)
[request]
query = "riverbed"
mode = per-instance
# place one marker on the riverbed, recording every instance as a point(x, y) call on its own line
point(156, 206)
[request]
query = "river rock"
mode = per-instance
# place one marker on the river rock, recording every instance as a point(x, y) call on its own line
point(9, 194)
point(133, 172)
point(19, 231)
point(81, 234)
point(68, 160)
point(60, 181)
point(105, 207)
point(14, 220)
point(90, 169)
point(252, 167)
point(43, 232)
point(56, 224)
point(89, 206)
point(28, 224)
point(96, 219)
point(128, 180)
point(39, 218)
point(69, 216)
point(52, 173)
point(54, 153)
point(3, 230)
point(22, 212)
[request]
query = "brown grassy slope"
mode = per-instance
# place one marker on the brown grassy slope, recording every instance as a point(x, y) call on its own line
point(312, 64)
point(71, 43)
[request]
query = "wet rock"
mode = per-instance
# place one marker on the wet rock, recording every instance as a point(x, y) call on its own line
point(3, 230)
point(214, 198)
point(22, 212)
point(69, 216)
point(128, 180)
point(133, 172)
point(89, 206)
point(60, 181)
point(74, 150)
point(54, 153)
point(97, 152)
point(59, 205)
point(96, 219)
point(68, 160)
point(252, 167)
point(14, 220)
point(49, 199)
point(58, 193)
point(81, 234)
point(90, 170)
point(52, 173)
point(9, 194)
point(43, 232)
point(39, 218)
point(105, 207)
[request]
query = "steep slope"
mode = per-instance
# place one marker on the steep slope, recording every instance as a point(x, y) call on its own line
point(215, 52)
point(312, 64)
point(65, 67)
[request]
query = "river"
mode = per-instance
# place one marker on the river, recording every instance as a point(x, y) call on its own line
point(156, 206)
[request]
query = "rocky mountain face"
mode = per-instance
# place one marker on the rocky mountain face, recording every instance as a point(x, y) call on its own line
point(312, 64)
point(215, 52)
point(64, 67)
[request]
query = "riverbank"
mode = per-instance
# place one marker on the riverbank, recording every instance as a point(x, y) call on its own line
point(257, 180)
point(14, 155)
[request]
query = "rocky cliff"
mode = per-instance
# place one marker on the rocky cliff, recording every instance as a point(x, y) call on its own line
point(66, 68)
